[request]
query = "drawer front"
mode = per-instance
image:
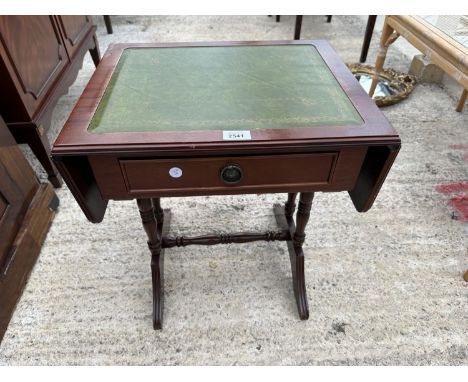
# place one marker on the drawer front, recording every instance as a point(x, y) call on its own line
point(130, 177)
point(246, 172)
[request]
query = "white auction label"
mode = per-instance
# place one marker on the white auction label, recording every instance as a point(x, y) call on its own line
point(236, 135)
point(175, 172)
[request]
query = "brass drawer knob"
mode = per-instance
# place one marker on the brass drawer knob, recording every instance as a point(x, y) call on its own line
point(231, 174)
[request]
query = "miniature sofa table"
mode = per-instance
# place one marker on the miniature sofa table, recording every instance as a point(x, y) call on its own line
point(191, 119)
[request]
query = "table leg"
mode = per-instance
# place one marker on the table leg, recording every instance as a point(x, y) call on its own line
point(290, 205)
point(302, 217)
point(158, 211)
point(284, 219)
point(297, 263)
point(389, 35)
point(150, 224)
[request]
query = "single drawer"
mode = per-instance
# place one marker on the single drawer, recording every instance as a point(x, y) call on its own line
point(124, 177)
point(241, 172)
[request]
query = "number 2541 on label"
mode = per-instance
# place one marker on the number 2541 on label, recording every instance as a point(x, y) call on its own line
point(238, 135)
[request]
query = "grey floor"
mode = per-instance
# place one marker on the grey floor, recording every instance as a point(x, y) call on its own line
point(385, 287)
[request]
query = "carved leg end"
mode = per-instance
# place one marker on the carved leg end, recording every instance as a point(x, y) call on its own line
point(158, 295)
point(300, 288)
point(153, 231)
point(296, 255)
point(297, 261)
point(158, 292)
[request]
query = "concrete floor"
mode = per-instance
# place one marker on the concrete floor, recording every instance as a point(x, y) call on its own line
point(385, 287)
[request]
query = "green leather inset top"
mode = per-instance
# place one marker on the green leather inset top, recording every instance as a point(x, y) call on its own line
point(222, 88)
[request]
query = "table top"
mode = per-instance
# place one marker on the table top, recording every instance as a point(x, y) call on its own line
point(222, 87)
point(446, 35)
point(454, 26)
point(188, 95)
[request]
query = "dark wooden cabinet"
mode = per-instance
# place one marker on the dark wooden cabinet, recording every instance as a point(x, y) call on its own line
point(74, 28)
point(40, 57)
point(26, 211)
point(40, 38)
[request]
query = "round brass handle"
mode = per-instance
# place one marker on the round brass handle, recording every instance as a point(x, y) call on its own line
point(231, 174)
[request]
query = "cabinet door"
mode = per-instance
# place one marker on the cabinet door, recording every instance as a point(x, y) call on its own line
point(17, 187)
point(74, 30)
point(26, 211)
point(34, 55)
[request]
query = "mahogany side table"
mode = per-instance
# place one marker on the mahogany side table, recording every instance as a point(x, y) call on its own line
point(190, 119)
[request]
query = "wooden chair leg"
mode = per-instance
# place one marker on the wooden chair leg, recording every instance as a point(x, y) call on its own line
point(150, 225)
point(388, 36)
point(107, 21)
point(367, 37)
point(297, 28)
point(461, 102)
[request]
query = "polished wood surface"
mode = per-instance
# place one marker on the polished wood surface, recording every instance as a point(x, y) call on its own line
point(26, 211)
point(140, 165)
point(40, 57)
point(374, 170)
point(109, 154)
point(117, 177)
point(80, 180)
